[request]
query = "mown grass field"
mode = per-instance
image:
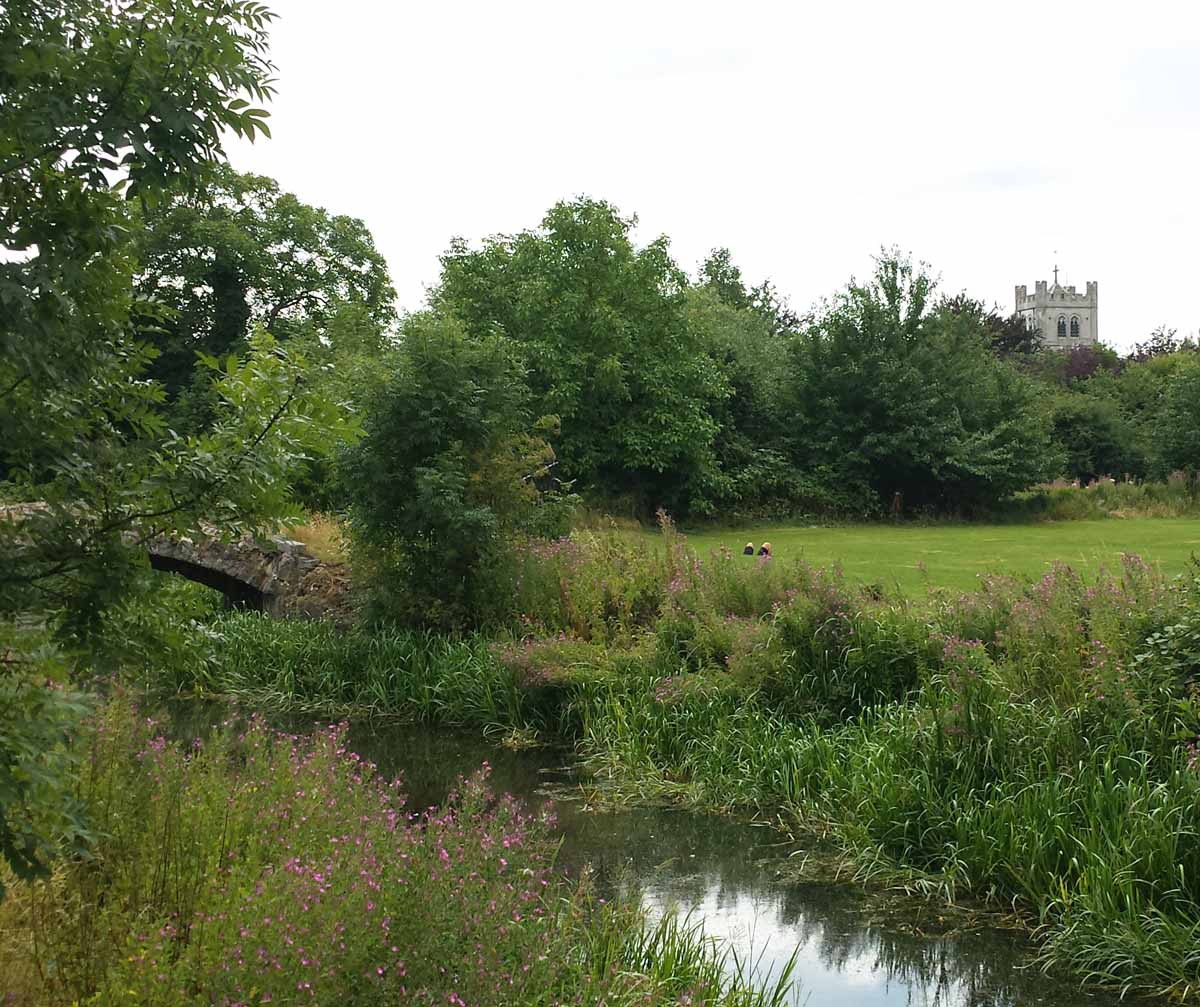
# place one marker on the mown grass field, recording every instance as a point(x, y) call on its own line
point(913, 556)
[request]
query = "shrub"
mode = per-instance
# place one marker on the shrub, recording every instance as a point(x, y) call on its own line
point(448, 472)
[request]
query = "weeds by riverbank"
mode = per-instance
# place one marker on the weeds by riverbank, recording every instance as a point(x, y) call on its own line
point(256, 868)
point(1031, 744)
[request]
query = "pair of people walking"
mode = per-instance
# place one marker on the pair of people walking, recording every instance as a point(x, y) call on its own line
point(763, 550)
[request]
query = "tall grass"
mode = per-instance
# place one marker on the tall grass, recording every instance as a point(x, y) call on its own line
point(324, 669)
point(324, 535)
point(259, 868)
point(1176, 496)
point(1032, 744)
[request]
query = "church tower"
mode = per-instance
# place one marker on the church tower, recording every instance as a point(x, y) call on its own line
point(1065, 317)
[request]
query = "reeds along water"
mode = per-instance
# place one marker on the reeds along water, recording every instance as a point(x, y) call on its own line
point(1031, 744)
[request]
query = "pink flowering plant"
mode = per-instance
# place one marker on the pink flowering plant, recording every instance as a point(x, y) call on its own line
point(256, 867)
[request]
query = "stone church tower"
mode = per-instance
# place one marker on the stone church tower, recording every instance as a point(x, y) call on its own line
point(1065, 317)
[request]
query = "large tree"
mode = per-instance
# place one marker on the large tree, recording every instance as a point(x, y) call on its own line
point(239, 253)
point(105, 104)
point(602, 328)
point(721, 277)
point(887, 396)
point(1177, 425)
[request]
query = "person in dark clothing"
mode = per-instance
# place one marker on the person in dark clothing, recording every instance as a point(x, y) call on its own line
point(765, 550)
point(749, 550)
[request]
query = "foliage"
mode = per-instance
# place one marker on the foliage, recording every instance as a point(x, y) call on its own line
point(105, 104)
point(1177, 427)
point(1161, 342)
point(39, 815)
point(239, 253)
point(1175, 497)
point(722, 279)
point(749, 447)
point(602, 330)
point(320, 668)
point(1029, 743)
point(1008, 336)
point(893, 399)
point(449, 470)
point(73, 555)
point(261, 867)
point(1096, 438)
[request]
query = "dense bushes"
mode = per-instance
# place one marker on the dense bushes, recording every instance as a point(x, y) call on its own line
point(889, 395)
point(251, 867)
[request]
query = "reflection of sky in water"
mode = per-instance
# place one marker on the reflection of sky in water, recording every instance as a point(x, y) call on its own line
point(752, 925)
point(725, 873)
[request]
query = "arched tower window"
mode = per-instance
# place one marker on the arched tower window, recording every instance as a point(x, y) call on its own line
point(1062, 326)
point(1074, 326)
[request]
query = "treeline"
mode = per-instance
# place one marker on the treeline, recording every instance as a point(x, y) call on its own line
point(608, 372)
point(1136, 416)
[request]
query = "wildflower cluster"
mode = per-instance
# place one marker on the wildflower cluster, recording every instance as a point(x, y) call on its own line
point(265, 868)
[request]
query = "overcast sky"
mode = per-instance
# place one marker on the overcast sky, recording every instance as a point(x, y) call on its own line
point(981, 137)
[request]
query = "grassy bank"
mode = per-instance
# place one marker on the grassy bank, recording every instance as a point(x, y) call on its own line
point(256, 868)
point(1030, 743)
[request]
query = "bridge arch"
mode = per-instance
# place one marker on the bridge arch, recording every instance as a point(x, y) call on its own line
point(238, 593)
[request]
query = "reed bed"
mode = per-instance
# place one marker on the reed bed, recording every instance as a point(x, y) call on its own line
point(1030, 745)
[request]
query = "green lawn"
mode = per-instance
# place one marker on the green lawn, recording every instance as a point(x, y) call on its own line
point(953, 555)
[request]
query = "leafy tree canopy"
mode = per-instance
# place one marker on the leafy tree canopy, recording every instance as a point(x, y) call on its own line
point(721, 277)
point(1008, 335)
point(602, 328)
point(894, 397)
point(105, 103)
point(450, 468)
point(1177, 426)
point(239, 253)
point(1095, 436)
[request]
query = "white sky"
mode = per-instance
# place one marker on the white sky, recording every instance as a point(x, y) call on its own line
point(982, 137)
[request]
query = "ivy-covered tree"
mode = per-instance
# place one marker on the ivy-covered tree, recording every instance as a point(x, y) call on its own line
point(106, 105)
point(239, 253)
point(602, 329)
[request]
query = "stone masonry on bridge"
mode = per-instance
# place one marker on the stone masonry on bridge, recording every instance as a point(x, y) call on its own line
point(269, 574)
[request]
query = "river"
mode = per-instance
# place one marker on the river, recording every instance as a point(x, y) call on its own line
point(733, 877)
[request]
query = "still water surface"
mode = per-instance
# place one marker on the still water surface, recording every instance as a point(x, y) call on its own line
point(729, 875)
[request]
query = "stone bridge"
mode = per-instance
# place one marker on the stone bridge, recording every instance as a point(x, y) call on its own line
point(272, 575)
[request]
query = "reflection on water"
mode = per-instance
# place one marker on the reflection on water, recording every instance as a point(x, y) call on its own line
point(726, 874)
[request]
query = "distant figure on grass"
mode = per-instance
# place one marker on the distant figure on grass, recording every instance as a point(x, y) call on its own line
point(749, 550)
point(765, 550)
